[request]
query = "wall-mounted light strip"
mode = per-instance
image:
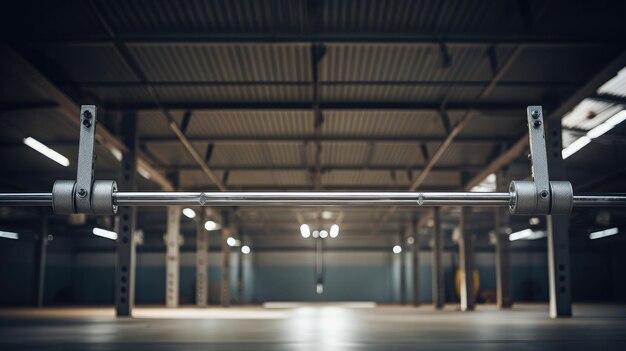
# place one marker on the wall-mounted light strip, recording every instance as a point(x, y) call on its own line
point(9, 235)
point(596, 132)
point(527, 234)
point(603, 233)
point(105, 233)
point(189, 212)
point(46, 151)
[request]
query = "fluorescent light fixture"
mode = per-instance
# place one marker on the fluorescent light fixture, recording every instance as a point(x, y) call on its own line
point(144, 172)
point(315, 234)
point(527, 234)
point(46, 151)
point(231, 241)
point(211, 225)
point(105, 233)
point(116, 153)
point(323, 234)
point(305, 231)
point(334, 231)
point(603, 233)
point(575, 146)
point(487, 185)
point(397, 249)
point(189, 213)
point(596, 132)
point(9, 235)
point(607, 125)
point(245, 249)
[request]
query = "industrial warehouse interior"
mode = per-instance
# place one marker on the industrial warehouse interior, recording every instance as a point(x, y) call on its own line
point(312, 175)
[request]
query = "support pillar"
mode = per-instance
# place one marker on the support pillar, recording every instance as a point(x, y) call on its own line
point(466, 254)
point(41, 248)
point(402, 257)
point(125, 244)
point(202, 262)
point(172, 239)
point(438, 283)
point(415, 262)
point(504, 298)
point(240, 284)
point(225, 288)
point(558, 233)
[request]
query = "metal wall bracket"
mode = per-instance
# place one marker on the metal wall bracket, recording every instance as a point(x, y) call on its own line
point(540, 195)
point(84, 195)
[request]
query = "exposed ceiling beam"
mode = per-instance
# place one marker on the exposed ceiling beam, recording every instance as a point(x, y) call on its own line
point(128, 58)
point(417, 182)
point(262, 83)
point(434, 40)
point(502, 108)
point(248, 139)
point(70, 110)
point(324, 168)
point(465, 119)
point(587, 90)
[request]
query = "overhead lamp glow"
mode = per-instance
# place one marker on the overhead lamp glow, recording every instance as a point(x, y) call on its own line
point(144, 172)
point(189, 213)
point(327, 215)
point(596, 132)
point(334, 231)
point(603, 233)
point(231, 241)
point(315, 234)
point(323, 234)
point(533, 220)
point(245, 249)
point(527, 234)
point(105, 233)
point(575, 146)
point(397, 249)
point(305, 231)
point(116, 153)
point(9, 235)
point(211, 225)
point(46, 151)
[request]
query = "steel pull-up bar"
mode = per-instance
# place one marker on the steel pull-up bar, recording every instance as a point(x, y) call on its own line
point(86, 195)
point(310, 199)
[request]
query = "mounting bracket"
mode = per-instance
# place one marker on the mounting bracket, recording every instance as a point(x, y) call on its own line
point(539, 196)
point(84, 195)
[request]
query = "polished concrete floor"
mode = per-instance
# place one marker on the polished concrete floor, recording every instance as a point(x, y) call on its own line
point(315, 327)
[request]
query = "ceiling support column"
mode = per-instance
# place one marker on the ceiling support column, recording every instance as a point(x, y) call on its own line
point(402, 257)
point(240, 281)
point(225, 286)
point(172, 265)
point(415, 262)
point(41, 248)
point(125, 245)
point(558, 233)
point(202, 261)
point(466, 258)
point(504, 298)
point(439, 297)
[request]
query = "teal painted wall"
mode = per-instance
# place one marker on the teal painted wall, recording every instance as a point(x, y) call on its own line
point(88, 279)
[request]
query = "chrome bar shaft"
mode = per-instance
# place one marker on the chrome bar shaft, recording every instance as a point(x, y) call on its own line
point(310, 199)
point(25, 199)
point(600, 201)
